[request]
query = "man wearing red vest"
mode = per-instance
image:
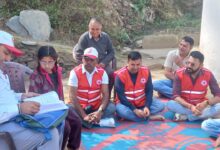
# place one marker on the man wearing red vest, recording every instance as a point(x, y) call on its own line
point(190, 89)
point(89, 90)
point(134, 91)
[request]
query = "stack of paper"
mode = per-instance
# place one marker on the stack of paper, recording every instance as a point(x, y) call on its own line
point(48, 102)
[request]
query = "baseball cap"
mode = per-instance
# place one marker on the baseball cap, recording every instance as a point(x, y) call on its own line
point(91, 52)
point(7, 41)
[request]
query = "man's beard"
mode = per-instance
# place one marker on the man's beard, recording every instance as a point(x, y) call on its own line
point(191, 71)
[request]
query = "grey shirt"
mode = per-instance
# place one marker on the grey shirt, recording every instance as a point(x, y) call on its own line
point(103, 45)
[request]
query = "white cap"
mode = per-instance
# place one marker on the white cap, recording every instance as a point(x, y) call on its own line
point(91, 52)
point(8, 41)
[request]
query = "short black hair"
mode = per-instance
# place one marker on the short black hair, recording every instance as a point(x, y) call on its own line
point(189, 40)
point(197, 55)
point(134, 55)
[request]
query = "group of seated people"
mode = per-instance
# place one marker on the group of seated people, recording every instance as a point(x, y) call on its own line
point(89, 101)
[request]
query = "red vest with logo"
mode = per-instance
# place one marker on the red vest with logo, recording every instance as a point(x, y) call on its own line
point(194, 93)
point(86, 94)
point(135, 94)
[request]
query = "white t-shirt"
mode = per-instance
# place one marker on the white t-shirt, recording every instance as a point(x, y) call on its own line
point(73, 80)
point(170, 60)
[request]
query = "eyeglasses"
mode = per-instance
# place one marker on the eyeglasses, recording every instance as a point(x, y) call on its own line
point(88, 59)
point(50, 63)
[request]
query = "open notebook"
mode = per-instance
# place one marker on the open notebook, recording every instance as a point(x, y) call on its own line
point(48, 102)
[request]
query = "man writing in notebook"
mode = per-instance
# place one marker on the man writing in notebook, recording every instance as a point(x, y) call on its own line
point(11, 106)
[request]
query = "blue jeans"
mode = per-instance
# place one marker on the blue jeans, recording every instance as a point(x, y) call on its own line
point(126, 113)
point(109, 111)
point(164, 87)
point(212, 126)
point(208, 112)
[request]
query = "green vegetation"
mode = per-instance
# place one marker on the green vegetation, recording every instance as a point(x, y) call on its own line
point(140, 5)
point(66, 16)
point(177, 23)
point(70, 18)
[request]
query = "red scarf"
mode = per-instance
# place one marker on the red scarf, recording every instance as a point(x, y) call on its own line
point(57, 70)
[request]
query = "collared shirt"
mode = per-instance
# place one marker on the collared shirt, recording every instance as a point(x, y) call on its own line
point(8, 99)
point(213, 85)
point(170, 60)
point(73, 80)
point(90, 35)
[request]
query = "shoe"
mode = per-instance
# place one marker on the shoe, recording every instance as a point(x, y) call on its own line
point(179, 117)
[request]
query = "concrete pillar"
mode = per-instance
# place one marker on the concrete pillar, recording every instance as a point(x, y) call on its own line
point(210, 36)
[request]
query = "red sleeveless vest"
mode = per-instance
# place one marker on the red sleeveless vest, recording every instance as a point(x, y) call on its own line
point(86, 94)
point(194, 93)
point(134, 93)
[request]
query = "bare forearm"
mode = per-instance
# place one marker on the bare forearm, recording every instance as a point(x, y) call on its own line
point(105, 102)
point(75, 102)
point(214, 100)
point(169, 75)
point(105, 98)
point(79, 108)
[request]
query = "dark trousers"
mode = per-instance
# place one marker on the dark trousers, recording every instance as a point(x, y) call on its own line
point(72, 130)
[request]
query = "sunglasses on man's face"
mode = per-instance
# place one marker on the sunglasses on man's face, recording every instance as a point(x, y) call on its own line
point(88, 59)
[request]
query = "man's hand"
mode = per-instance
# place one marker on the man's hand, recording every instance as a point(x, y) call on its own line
point(146, 111)
point(30, 94)
point(201, 106)
point(195, 111)
point(96, 117)
point(29, 107)
point(88, 118)
point(140, 113)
